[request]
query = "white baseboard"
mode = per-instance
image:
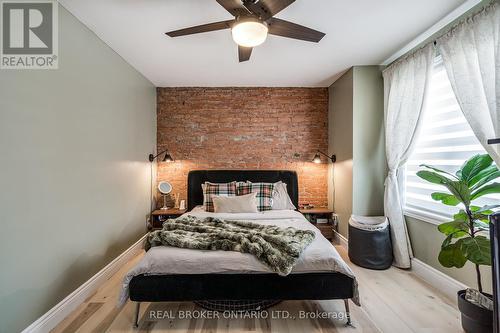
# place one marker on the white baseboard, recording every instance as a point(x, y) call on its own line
point(444, 283)
point(57, 314)
point(342, 241)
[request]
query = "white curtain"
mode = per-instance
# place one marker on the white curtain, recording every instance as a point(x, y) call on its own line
point(471, 55)
point(405, 89)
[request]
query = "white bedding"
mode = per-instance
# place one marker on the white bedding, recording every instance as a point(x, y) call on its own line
point(319, 256)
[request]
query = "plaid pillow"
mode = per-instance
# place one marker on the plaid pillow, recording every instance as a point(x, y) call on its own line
point(221, 189)
point(264, 193)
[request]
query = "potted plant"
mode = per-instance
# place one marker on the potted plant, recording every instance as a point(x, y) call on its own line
point(467, 235)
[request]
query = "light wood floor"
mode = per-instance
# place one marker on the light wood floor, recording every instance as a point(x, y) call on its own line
point(392, 301)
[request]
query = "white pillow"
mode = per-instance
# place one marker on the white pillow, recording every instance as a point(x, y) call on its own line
point(241, 204)
point(281, 199)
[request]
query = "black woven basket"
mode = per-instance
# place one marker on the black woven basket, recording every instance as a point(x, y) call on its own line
point(237, 306)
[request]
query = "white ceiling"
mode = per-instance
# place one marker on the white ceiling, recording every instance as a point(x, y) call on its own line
point(358, 32)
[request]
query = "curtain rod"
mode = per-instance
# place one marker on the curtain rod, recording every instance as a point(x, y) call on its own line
point(472, 12)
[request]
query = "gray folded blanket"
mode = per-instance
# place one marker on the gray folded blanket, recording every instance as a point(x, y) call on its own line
point(278, 248)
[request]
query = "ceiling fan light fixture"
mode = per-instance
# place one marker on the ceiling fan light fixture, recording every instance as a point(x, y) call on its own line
point(253, 21)
point(249, 33)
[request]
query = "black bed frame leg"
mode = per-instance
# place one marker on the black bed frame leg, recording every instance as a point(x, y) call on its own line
point(136, 317)
point(348, 313)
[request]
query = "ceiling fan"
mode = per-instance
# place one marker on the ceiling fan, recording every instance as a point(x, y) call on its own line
point(254, 19)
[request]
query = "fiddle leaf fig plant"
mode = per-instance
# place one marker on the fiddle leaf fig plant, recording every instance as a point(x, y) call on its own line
point(467, 235)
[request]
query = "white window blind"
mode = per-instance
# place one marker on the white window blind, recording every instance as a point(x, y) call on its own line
point(445, 141)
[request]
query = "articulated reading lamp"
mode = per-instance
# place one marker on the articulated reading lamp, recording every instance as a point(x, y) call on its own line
point(317, 157)
point(166, 158)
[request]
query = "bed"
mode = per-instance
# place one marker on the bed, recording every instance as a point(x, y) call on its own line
point(173, 274)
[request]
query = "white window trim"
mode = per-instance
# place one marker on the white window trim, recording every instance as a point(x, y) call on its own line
point(428, 217)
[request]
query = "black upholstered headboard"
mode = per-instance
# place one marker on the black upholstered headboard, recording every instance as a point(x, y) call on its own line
point(198, 177)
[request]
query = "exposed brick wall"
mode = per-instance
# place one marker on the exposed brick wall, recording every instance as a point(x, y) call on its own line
point(245, 128)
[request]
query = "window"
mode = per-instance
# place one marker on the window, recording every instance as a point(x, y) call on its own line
point(445, 141)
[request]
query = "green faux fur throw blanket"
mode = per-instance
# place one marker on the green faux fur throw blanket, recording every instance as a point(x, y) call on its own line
point(278, 248)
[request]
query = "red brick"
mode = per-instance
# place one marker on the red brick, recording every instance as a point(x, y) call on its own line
point(244, 128)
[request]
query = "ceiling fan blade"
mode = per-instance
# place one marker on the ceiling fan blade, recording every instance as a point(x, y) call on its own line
point(292, 30)
point(235, 7)
point(266, 9)
point(201, 28)
point(244, 53)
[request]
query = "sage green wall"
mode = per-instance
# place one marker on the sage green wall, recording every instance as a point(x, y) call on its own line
point(369, 163)
point(75, 176)
point(356, 136)
point(426, 242)
point(340, 131)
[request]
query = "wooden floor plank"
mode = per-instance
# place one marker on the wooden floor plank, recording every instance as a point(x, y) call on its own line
point(105, 324)
point(89, 310)
point(393, 300)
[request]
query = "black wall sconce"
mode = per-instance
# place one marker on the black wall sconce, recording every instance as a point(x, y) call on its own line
point(166, 158)
point(317, 157)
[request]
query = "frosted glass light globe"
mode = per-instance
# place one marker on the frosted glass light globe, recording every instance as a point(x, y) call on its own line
point(249, 33)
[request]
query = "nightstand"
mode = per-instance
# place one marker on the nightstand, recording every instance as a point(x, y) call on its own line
point(161, 215)
point(317, 215)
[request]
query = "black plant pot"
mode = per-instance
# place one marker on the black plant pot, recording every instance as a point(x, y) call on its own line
point(475, 319)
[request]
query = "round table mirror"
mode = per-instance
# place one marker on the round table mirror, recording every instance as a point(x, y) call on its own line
point(164, 188)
